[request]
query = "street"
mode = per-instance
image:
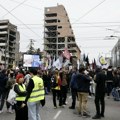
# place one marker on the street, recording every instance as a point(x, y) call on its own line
point(112, 111)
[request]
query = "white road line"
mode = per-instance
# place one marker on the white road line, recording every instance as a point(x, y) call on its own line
point(58, 113)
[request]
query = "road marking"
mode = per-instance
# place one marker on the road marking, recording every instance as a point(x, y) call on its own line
point(58, 113)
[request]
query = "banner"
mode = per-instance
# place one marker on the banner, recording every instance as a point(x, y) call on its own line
point(102, 62)
point(58, 63)
point(31, 60)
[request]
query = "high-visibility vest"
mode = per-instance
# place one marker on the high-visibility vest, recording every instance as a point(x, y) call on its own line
point(38, 91)
point(22, 89)
point(57, 87)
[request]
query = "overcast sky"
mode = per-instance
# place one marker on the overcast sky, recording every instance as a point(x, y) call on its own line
point(92, 22)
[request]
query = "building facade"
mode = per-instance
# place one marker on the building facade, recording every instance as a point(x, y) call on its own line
point(115, 60)
point(9, 43)
point(58, 33)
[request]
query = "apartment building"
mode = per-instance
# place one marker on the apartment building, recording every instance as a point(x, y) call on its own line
point(9, 43)
point(58, 33)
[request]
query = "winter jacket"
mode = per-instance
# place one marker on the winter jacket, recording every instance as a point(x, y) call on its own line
point(83, 83)
point(3, 82)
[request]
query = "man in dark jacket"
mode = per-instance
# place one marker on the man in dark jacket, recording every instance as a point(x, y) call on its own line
point(109, 81)
point(100, 93)
point(73, 87)
point(3, 90)
point(83, 84)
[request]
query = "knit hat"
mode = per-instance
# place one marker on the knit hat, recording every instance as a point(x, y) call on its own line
point(19, 76)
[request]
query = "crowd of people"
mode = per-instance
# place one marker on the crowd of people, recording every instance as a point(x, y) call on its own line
point(32, 85)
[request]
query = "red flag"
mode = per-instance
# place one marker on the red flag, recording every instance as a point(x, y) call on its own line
point(94, 64)
point(66, 54)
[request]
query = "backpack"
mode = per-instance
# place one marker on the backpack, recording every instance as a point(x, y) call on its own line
point(53, 82)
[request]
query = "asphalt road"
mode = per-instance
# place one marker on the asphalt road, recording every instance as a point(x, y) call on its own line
point(112, 111)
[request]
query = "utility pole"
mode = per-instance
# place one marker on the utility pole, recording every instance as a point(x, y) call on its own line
point(31, 48)
point(6, 49)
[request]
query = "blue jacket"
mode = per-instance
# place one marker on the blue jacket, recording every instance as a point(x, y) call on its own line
point(73, 84)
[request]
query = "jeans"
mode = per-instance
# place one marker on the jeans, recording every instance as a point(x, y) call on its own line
point(2, 97)
point(109, 88)
point(74, 95)
point(64, 94)
point(34, 110)
point(55, 93)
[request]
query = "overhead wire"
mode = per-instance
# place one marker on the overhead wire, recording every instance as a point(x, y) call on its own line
point(27, 5)
point(89, 11)
point(76, 27)
point(15, 7)
point(72, 23)
point(18, 19)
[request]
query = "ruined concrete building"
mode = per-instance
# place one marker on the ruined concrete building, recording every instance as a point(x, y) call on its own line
point(9, 43)
point(58, 33)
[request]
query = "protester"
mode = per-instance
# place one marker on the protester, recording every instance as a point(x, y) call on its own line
point(9, 86)
point(56, 88)
point(100, 80)
point(27, 78)
point(116, 86)
point(63, 86)
point(109, 81)
point(45, 80)
point(21, 113)
point(35, 93)
point(3, 90)
point(83, 84)
point(73, 87)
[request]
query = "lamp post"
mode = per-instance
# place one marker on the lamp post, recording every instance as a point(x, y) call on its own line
point(5, 53)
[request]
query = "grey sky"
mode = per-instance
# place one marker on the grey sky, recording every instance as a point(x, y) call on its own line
point(92, 21)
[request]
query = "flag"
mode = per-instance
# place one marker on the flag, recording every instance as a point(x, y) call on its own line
point(84, 58)
point(50, 62)
point(57, 64)
point(94, 64)
point(87, 60)
point(102, 62)
point(53, 60)
point(66, 54)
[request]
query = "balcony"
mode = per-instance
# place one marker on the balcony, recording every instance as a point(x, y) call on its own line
point(3, 32)
point(2, 44)
point(51, 28)
point(74, 54)
point(50, 34)
point(4, 27)
point(50, 47)
point(50, 16)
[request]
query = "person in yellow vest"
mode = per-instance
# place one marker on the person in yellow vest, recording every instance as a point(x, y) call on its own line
point(21, 113)
point(35, 94)
point(56, 88)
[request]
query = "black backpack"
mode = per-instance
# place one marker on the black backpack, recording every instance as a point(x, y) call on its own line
point(53, 82)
